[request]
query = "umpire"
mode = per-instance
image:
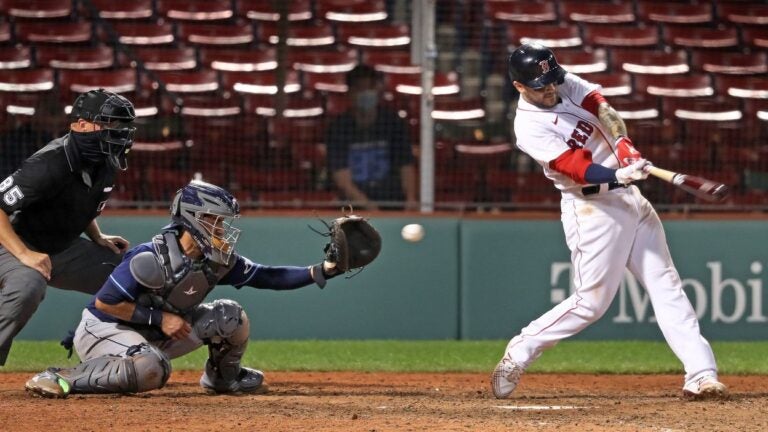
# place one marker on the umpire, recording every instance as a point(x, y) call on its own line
point(53, 198)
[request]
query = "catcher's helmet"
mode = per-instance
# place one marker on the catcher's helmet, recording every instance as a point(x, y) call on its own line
point(535, 66)
point(207, 212)
point(115, 115)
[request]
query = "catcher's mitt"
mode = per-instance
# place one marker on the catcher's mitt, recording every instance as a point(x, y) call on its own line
point(354, 243)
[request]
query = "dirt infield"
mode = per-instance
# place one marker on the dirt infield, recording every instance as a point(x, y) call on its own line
point(319, 401)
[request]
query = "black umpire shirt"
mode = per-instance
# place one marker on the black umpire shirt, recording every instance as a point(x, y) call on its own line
point(54, 196)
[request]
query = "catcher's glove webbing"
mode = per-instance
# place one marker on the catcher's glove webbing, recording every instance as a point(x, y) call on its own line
point(354, 243)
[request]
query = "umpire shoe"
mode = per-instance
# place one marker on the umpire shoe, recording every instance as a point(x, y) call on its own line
point(505, 377)
point(705, 387)
point(249, 381)
point(48, 384)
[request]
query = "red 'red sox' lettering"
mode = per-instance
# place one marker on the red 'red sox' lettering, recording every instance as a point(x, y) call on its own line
point(578, 139)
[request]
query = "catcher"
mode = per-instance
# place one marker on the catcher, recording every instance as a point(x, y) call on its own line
point(151, 308)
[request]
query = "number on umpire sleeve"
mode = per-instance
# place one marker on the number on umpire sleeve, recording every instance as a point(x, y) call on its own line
point(10, 196)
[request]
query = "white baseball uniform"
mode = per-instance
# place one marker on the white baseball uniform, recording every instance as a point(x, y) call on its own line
point(606, 231)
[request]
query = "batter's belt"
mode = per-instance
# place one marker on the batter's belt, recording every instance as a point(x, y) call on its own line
point(591, 190)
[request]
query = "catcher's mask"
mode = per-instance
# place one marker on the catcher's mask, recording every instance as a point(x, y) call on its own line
point(208, 212)
point(114, 114)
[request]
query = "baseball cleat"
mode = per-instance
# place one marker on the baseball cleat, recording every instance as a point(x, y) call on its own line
point(505, 377)
point(48, 384)
point(249, 381)
point(705, 387)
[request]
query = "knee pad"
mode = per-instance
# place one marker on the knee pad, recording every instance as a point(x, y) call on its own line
point(221, 321)
point(152, 366)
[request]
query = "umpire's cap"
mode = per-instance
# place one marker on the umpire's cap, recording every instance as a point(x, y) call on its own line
point(102, 106)
point(535, 66)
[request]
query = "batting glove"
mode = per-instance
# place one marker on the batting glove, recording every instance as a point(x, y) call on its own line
point(637, 171)
point(626, 151)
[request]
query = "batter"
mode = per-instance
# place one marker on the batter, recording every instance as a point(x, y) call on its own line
point(565, 124)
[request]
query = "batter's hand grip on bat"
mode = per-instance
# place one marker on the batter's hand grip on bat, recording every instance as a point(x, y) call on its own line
point(700, 187)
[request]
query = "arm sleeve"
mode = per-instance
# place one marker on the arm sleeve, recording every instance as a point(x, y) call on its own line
point(597, 174)
point(246, 272)
point(573, 163)
point(592, 102)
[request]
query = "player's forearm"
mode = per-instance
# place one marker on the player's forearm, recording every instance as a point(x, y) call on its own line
point(93, 231)
point(343, 180)
point(612, 121)
point(131, 312)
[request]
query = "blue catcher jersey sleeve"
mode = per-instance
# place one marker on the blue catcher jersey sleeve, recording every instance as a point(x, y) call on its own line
point(121, 286)
point(246, 272)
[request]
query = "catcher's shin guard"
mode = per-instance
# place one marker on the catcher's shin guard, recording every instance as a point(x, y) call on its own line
point(142, 368)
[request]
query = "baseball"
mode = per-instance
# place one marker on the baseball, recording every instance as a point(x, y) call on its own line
point(412, 232)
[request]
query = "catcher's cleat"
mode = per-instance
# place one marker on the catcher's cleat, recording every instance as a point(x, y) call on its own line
point(705, 387)
point(48, 384)
point(505, 377)
point(250, 381)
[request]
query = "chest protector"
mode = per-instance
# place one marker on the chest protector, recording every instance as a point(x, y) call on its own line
point(186, 283)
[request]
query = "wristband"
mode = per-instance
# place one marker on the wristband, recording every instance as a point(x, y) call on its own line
point(143, 315)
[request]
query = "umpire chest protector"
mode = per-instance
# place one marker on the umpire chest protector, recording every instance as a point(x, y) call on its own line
point(175, 283)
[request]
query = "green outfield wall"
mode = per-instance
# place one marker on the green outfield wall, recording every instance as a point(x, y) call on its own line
point(467, 279)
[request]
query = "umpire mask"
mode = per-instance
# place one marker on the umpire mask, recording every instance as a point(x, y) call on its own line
point(114, 115)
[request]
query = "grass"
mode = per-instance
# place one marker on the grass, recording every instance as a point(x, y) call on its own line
point(607, 357)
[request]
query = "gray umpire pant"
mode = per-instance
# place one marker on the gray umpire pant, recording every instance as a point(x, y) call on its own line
point(82, 267)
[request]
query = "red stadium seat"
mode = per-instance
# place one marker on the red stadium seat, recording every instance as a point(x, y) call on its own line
point(130, 10)
point(483, 156)
point(645, 124)
point(707, 121)
point(352, 11)
point(550, 35)
point(390, 61)
point(675, 12)
point(598, 12)
point(26, 80)
point(15, 57)
point(675, 85)
point(38, 9)
point(341, 60)
point(326, 82)
point(452, 108)
point(5, 31)
point(260, 10)
point(296, 199)
point(756, 37)
point(153, 33)
point(522, 188)
point(410, 84)
point(79, 81)
point(54, 32)
point(189, 81)
point(730, 63)
point(744, 14)
point(66, 57)
point(264, 83)
point(701, 37)
point(299, 36)
point(375, 35)
point(614, 84)
point(295, 106)
point(580, 62)
point(208, 10)
point(742, 87)
point(167, 59)
point(239, 33)
point(652, 62)
point(522, 11)
point(621, 36)
point(238, 60)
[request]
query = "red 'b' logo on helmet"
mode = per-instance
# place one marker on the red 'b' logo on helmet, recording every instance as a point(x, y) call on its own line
point(544, 66)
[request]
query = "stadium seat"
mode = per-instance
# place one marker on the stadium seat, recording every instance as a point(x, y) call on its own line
point(189, 81)
point(27, 80)
point(751, 13)
point(619, 36)
point(79, 81)
point(709, 120)
point(529, 188)
point(15, 57)
point(452, 108)
point(167, 59)
point(238, 33)
point(128, 10)
point(390, 61)
point(260, 10)
point(522, 11)
point(354, 11)
point(730, 63)
point(5, 32)
point(375, 35)
point(185, 10)
point(580, 62)
point(598, 12)
point(613, 83)
point(741, 87)
point(483, 156)
point(37, 9)
point(756, 37)
point(646, 61)
point(316, 61)
point(140, 33)
point(645, 124)
point(551, 35)
point(410, 84)
point(694, 85)
point(326, 82)
point(54, 32)
point(299, 36)
point(295, 106)
point(336, 102)
point(675, 12)
point(238, 60)
point(700, 37)
point(66, 57)
point(260, 82)
point(295, 199)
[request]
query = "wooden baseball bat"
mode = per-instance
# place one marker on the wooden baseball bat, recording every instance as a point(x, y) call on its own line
point(700, 187)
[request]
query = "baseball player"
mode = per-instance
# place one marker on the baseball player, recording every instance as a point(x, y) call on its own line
point(565, 124)
point(151, 308)
point(52, 199)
